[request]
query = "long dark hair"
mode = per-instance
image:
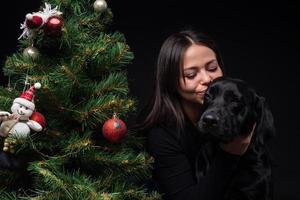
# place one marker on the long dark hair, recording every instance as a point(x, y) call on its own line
point(165, 107)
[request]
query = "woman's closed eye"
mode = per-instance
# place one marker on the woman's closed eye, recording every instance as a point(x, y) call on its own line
point(190, 75)
point(212, 66)
point(212, 69)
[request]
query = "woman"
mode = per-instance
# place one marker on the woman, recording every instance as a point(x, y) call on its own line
point(188, 62)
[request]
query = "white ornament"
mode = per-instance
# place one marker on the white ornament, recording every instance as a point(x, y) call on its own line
point(100, 5)
point(18, 123)
point(31, 52)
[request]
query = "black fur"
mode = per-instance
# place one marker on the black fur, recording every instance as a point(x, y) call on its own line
point(231, 107)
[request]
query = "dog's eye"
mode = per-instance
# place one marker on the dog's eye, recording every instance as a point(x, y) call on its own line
point(238, 107)
point(235, 99)
point(230, 96)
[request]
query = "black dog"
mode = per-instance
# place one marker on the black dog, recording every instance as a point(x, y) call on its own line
point(231, 108)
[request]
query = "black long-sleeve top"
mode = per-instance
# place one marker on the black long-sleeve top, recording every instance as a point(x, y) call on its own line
point(177, 158)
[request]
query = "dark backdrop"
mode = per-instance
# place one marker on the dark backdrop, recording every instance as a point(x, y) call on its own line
point(259, 43)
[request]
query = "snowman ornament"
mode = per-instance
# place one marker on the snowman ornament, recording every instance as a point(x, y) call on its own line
point(18, 123)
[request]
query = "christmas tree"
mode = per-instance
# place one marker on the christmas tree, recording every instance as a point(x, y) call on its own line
point(64, 110)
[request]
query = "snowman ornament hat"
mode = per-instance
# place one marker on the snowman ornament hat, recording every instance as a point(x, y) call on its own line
point(26, 98)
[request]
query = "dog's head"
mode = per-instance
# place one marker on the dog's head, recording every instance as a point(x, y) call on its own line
point(231, 108)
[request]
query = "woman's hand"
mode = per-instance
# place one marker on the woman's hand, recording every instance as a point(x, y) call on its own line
point(240, 144)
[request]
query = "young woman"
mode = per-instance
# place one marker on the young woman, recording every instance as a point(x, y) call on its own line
point(188, 61)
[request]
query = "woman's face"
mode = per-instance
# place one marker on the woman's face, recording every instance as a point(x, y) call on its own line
point(200, 67)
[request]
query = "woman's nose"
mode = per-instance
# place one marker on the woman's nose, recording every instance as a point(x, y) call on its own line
point(205, 79)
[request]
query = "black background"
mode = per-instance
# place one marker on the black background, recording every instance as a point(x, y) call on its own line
point(259, 42)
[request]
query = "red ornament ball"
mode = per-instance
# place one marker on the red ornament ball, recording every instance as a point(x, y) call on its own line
point(114, 130)
point(53, 26)
point(33, 21)
point(39, 118)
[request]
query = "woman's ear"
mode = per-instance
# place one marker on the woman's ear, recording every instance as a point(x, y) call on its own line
point(265, 128)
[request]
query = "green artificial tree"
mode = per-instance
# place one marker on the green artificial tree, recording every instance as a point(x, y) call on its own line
point(70, 70)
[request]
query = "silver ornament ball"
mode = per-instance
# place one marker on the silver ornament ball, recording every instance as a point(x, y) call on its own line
point(100, 5)
point(31, 52)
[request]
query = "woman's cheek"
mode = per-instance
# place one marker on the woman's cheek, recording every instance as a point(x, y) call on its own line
point(190, 87)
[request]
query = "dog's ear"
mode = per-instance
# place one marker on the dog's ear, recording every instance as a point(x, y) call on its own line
point(265, 128)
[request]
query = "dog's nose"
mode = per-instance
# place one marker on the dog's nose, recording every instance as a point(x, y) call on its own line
point(210, 120)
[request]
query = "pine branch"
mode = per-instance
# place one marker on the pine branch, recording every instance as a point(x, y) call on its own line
point(49, 178)
point(124, 165)
point(97, 110)
point(6, 98)
point(6, 196)
point(17, 63)
point(115, 83)
point(8, 177)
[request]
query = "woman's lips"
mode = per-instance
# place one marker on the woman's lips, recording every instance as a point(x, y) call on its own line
point(201, 92)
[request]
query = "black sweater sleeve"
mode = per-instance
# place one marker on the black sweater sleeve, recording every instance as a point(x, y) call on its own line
point(174, 171)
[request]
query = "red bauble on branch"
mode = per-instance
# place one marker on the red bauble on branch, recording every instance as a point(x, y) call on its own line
point(33, 21)
point(114, 129)
point(53, 27)
point(39, 118)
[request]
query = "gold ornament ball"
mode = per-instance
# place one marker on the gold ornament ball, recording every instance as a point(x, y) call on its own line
point(100, 5)
point(31, 52)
